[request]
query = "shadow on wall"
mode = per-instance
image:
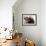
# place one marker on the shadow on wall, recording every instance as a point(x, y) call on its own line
point(17, 4)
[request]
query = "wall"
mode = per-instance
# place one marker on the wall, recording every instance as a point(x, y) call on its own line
point(43, 22)
point(28, 7)
point(6, 13)
point(6, 16)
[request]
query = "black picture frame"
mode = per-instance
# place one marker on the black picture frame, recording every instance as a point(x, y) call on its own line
point(29, 19)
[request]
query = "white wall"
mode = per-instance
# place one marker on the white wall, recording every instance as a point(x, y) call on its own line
point(43, 22)
point(6, 13)
point(28, 7)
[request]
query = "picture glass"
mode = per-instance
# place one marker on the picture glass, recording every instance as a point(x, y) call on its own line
point(29, 19)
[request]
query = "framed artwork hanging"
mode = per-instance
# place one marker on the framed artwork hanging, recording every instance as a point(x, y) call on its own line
point(29, 19)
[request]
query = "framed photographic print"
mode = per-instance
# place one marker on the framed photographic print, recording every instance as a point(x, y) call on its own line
point(29, 19)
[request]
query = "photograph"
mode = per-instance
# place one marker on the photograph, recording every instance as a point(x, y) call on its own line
point(29, 19)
